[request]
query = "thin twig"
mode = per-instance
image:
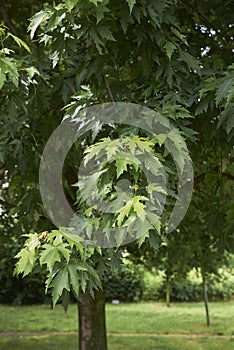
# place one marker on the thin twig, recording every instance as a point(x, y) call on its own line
point(108, 87)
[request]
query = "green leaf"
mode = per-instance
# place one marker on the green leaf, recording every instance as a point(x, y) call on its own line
point(132, 144)
point(155, 9)
point(230, 123)
point(170, 48)
point(55, 20)
point(125, 17)
point(27, 255)
point(143, 143)
point(160, 138)
point(74, 277)
point(202, 106)
point(20, 42)
point(25, 263)
point(65, 299)
point(100, 34)
point(121, 166)
point(154, 239)
point(32, 242)
point(36, 20)
point(6, 51)
point(226, 118)
point(96, 149)
point(59, 283)
point(32, 71)
point(142, 227)
point(52, 254)
point(100, 12)
point(138, 207)
point(73, 239)
point(191, 61)
point(105, 32)
point(155, 188)
point(230, 96)
point(131, 4)
point(223, 90)
point(56, 237)
point(124, 212)
point(142, 239)
point(8, 67)
point(179, 35)
point(112, 148)
point(88, 185)
point(70, 4)
point(179, 158)
point(48, 281)
point(210, 85)
point(62, 248)
point(122, 160)
point(93, 273)
point(98, 42)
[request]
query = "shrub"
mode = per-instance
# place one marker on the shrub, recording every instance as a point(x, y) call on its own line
point(126, 285)
point(152, 283)
point(219, 288)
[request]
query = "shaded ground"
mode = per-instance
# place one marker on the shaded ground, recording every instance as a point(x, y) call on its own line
point(176, 335)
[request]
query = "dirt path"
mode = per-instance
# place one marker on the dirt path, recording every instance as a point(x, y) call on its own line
point(174, 335)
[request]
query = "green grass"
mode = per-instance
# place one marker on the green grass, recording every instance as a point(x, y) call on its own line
point(61, 342)
point(149, 318)
point(186, 318)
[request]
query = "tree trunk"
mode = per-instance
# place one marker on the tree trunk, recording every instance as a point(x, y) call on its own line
point(206, 299)
point(92, 322)
point(168, 293)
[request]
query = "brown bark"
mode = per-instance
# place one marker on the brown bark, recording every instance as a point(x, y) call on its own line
point(92, 324)
point(168, 293)
point(205, 296)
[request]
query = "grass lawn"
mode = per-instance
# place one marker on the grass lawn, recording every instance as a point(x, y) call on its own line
point(186, 318)
point(148, 318)
point(61, 342)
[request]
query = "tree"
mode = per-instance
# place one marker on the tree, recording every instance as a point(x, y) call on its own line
point(208, 216)
point(84, 53)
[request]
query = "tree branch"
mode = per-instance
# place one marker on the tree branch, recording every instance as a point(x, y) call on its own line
point(108, 87)
point(200, 178)
point(6, 18)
